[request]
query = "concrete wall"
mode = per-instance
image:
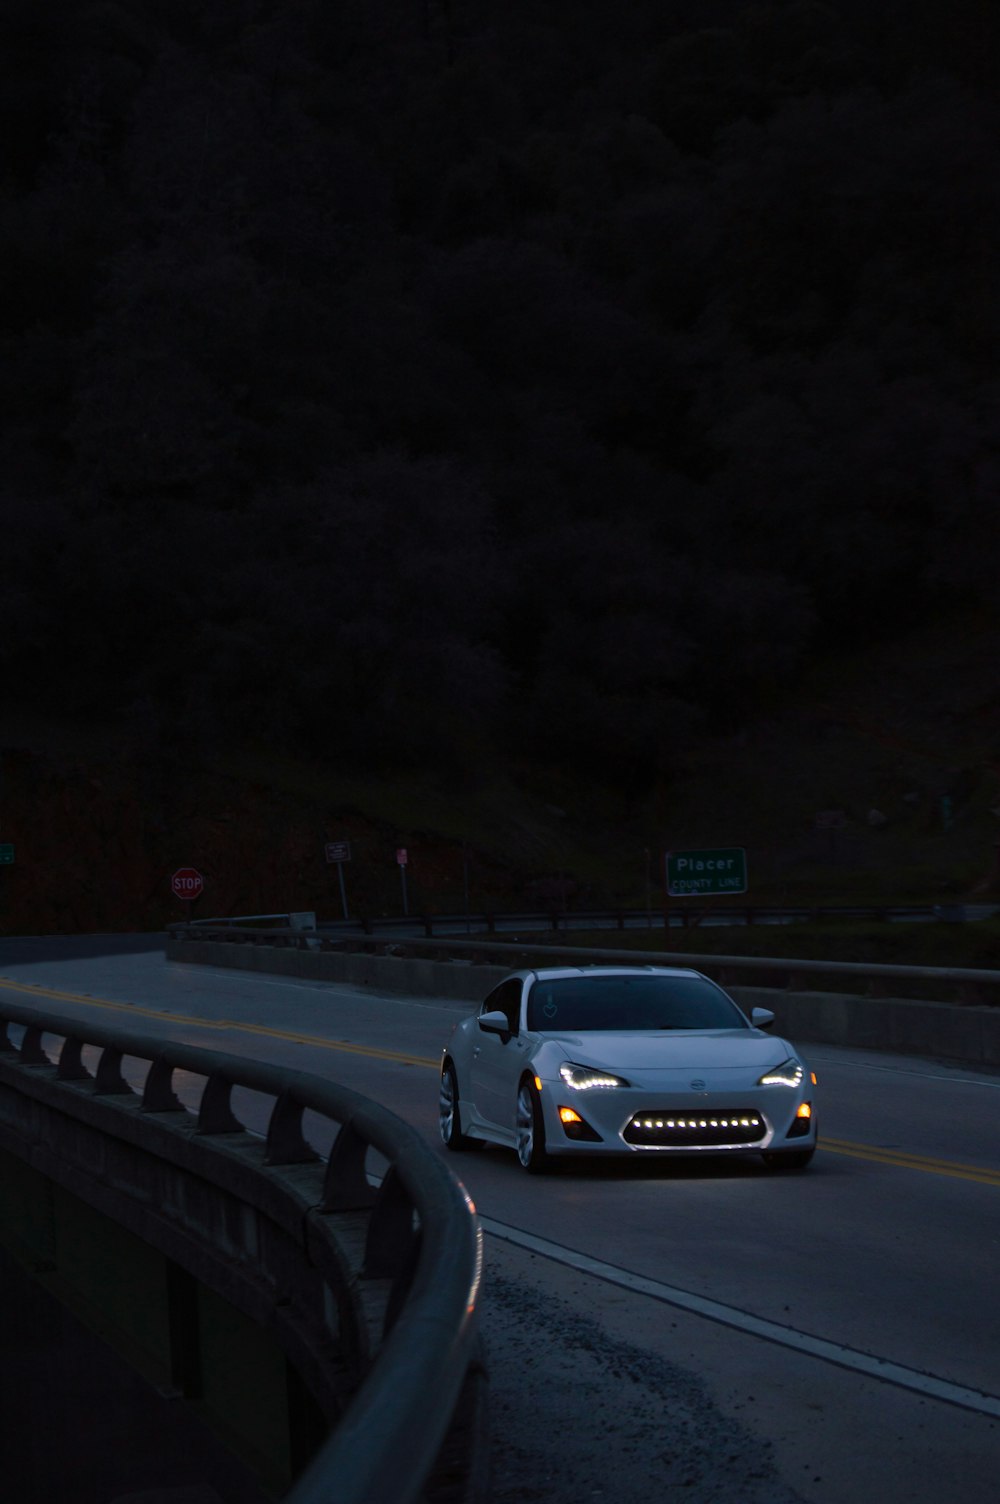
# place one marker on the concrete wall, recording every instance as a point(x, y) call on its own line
point(207, 1270)
point(945, 1031)
point(444, 979)
point(939, 1031)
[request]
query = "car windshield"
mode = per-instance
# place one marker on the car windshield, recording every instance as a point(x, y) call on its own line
point(575, 1004)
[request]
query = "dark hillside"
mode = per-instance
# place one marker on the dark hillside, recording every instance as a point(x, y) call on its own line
point(881, 786)
point(400, 386)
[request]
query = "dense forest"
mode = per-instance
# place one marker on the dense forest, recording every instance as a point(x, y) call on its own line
point(396, 378)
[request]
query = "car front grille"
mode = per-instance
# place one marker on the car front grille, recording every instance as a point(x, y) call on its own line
point(695, 1130)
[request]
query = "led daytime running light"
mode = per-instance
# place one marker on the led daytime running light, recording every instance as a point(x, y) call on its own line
point(585, 1077)
point(788, 1074)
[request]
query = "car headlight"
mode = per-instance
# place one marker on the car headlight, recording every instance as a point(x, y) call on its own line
point(788, 1074)
point(583, 1077)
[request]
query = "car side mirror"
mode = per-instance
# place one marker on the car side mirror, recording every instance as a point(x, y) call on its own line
point(494, 1023)
point(761, 1018)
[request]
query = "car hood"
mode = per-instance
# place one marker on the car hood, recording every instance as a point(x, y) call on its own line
point(678, 1049)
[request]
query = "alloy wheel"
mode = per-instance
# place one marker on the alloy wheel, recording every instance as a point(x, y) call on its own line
point(525, 1125)
point(446, 1105)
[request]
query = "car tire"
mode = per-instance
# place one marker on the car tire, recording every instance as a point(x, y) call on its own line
point(787, 1159)
point(530, 1128)
point(449, 1117)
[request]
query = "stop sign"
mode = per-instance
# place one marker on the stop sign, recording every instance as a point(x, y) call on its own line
point(187, 882)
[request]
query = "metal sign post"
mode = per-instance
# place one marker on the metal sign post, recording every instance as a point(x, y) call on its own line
point(831, 820)
point(340, 852)
point(465, 885)
point(401, 859)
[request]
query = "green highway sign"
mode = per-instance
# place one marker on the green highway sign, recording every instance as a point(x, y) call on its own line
point(6, 854)
point(699, 874)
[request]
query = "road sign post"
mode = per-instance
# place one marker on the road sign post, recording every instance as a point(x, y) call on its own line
point(706, 872)
point(402, 858)
point(831, 820)
point(6, 854)
point(340, 852)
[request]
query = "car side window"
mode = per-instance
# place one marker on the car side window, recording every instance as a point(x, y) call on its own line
point(512, 1002)
point(491, 1002)
point(506, 999)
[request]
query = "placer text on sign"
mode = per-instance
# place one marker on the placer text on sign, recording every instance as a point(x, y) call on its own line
point(686, 864)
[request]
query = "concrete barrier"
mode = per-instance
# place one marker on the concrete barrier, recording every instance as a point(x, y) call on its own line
point(947, 1031)
point(939, 1031)
point(324, 1324)
point(405, 974)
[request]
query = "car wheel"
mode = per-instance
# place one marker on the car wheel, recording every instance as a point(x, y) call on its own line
point(530, 1129)
point(787, 1159)
point(449, 1119)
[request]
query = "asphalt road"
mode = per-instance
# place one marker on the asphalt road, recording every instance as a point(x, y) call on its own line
point(732, 1335)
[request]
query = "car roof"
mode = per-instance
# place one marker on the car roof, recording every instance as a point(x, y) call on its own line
point(554, 973)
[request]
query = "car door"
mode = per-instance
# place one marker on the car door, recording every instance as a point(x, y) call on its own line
point(498, 1059)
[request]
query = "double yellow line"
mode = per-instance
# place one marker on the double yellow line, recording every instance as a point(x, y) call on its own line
point(135, 1010)
point(904, 1161)
point(897, 1157)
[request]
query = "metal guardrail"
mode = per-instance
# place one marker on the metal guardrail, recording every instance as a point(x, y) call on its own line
point(422, 1235)
point(963, 984)
point(682, 914)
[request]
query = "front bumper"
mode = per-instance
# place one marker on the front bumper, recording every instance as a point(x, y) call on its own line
point(626, 1121)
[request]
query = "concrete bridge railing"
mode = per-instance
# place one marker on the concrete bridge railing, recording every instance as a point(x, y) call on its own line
point(349, 1277)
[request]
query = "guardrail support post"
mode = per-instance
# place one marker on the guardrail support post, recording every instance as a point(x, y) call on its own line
point(345, 1185)
point(71, 1066)
point(391, 1231)
point(215, 1114)
point(109, 1080)
point(158, 1094)
point(286, 1143)
point(31, 1048)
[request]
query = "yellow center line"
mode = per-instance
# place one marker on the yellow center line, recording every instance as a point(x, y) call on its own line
point(135, 1010)
point(899, 1158)
point(906, 1161)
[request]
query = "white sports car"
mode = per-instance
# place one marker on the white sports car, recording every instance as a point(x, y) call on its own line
point(624, 1060)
